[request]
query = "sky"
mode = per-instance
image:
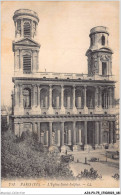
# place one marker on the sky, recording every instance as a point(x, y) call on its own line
point(63, 33)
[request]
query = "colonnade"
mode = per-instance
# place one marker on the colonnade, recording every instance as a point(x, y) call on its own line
point(100, 97)
point(70, 133)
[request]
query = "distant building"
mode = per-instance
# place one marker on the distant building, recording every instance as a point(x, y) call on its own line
point(75, 111)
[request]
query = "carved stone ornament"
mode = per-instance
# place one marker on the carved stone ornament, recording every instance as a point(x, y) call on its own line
point(104, 57)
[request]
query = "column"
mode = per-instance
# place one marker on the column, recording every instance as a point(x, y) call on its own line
point(114, 131)
point(62, 134)
point(96, 96)
point(21, 96)
point(22, 29)
point(101, 133)
point(38, 96)
point(50, 97)
point(39, 132)
point(96, 132)
point(42, 137)
point(36, 128)
point(107, 99)
point(20, 129)
point(85, 131)
point(74, 107)
point(113, 96)
point(100, 97)
point(80, 132)
point(16, 129)
point(50, 133)
point(104, 100)
point(111, 133)
point(32, 28)
point(46, 137)
point(33, 95)
point(21, 61)
point(58, 137)
point(16, 95)
point(85, 98)
point(15, 28)
point(69, 136)
point(110, 97)
point(37, 65)
point(33, 127)
point(32, 63)
point(20, 56)
point(74, 133)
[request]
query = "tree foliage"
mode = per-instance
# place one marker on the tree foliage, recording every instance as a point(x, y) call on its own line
point(25, 157)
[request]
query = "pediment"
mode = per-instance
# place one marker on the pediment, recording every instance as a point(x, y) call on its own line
point(26, 42)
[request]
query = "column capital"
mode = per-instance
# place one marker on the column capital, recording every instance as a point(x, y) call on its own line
point(62, 85)
point(33, 85)
point(16, 86)
point(50, 133)
point(38, 85)
point(101, 87)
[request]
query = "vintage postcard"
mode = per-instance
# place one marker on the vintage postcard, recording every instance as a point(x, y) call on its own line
point(60, 94)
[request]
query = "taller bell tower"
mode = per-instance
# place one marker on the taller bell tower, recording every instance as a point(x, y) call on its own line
point(99, 53)
point(26, 50)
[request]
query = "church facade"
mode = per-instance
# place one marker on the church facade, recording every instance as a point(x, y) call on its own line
point(70, 110)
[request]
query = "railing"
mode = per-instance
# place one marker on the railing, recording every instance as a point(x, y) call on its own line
point(56, 75)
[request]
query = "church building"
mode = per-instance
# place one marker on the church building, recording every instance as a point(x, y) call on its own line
point(71, 110)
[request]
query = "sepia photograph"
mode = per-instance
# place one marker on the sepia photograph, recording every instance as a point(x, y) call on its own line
point(60, 94)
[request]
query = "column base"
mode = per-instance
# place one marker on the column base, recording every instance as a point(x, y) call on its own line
point(62, 110)
point(53, 149)
point(50, 110)
point(76, 148)
point(65, 149)
point(97, 146)
point(117, 145)
point(85, 110)
point(98, 110)
point(101, 146)
point(74, 110)
point(111, 146)
point(88, 147)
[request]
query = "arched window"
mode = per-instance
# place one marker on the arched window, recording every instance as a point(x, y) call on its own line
point(104, 68)
point(105, 102)
point(27, 98)
point(27, 63)
point(79, 99)
point(27, 29)
point(68, 98)
point(90, 98)
point(56, 98)
point(103, 40)
point(44, 100)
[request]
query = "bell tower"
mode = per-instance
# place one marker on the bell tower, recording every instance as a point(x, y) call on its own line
point(99, 53)
point(26, 50)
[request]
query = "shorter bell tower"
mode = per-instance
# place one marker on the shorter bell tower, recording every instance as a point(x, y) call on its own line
point(99, 53)
point(26, 50)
